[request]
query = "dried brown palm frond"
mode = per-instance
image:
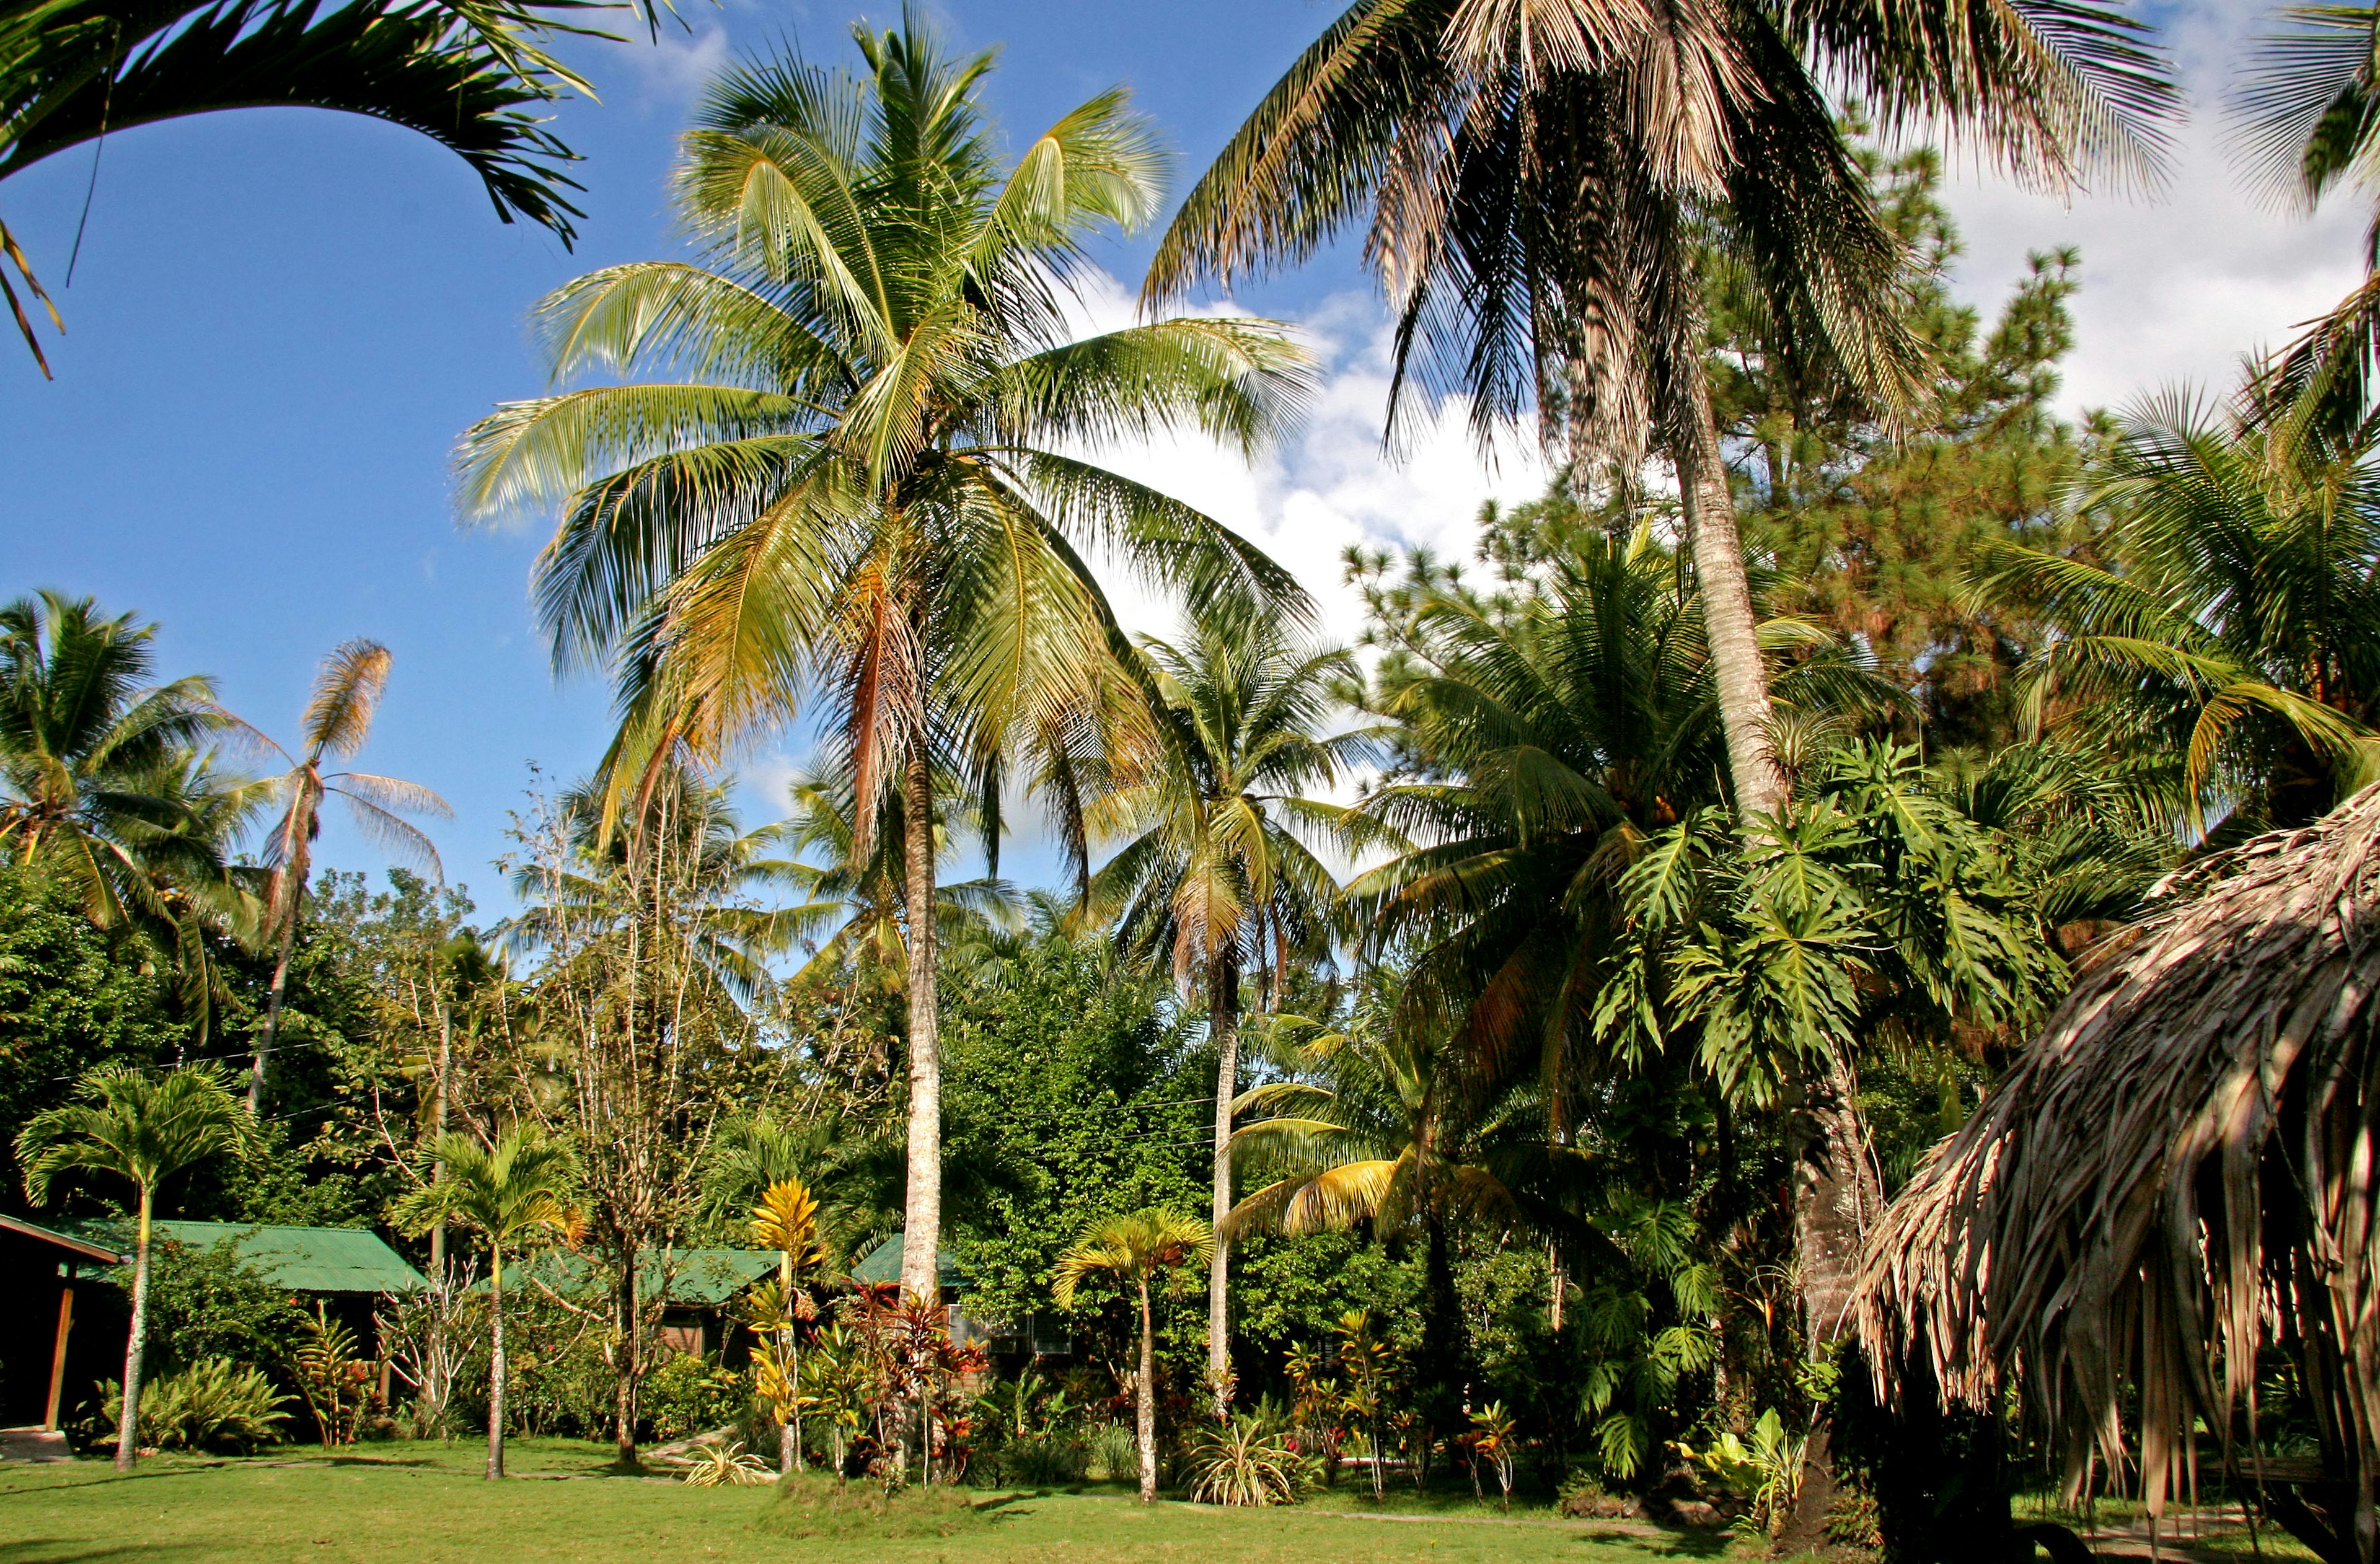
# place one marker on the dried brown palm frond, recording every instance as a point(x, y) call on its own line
point(2177, 1176)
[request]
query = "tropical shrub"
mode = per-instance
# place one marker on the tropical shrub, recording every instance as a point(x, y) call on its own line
point(1243, 1463)
point(1112, 1454)
point(1766, 1468)
point(213, 1405)
point(336, 1385)
point(692, 1394)
point(726, 1466)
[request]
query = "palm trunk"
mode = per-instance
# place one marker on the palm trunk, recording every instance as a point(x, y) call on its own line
point(1835, 1194)
point(1718, 549)
point(922, 1210)
point(1145, 1411)
point(273, 1007)
point(495, 1362)
point(1223, 1026)
point(630, 1361)
point(128, 1423)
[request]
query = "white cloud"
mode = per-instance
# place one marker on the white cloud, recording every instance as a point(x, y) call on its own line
point(1331, 485)
point(2176, 287)
point(674, 65)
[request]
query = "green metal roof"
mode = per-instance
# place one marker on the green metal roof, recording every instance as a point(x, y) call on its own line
point(305, 1259)
point(698, 1278)
point(77, 1244)
point(883, 1267)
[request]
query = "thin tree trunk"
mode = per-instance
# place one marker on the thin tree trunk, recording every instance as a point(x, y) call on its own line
point(1223, 1026)
point(1718, 549)
point(922, 1210)
point(789, 1426)
point(438, 1128)
point(629, 1362)
point(1145, 1411)
point(495, 1362)
point(273, 1007)
point(128, 1423)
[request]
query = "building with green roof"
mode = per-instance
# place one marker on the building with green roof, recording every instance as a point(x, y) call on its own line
point(325, 1260)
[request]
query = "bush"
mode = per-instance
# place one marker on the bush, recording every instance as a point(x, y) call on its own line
point(1581, 1498)
point(1241, 1462)
point(1114, 1455)
point(691, 1394)
point(1037, 1461)
point(814, 1506)
point(214, 1405)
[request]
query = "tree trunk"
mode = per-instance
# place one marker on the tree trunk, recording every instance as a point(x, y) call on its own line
point(437, 1129)
point(922, 1210)
point(1718, 551)
point(127, 1423)
point(1835, 1194)
point(495, 1362)
point(1223, 1026)
point(789, 1422)
point(272, 1006)
point(629, 1362)
point(1145, 1411)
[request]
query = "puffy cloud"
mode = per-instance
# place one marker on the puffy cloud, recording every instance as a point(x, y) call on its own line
point(2179, 285)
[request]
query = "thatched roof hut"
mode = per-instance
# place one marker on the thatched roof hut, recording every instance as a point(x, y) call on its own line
point(2177, 1174)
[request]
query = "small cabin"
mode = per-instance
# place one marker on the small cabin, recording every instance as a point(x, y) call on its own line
point(62, 1320)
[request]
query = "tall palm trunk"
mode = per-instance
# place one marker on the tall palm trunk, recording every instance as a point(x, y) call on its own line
point(1223, 1026)
point(128, 1429)
point(922, 1209)
point(1145, 1398)
point(272, 1005)
point(1717, 549)
point(495, 1362)
point(438, 1128)
point(624, 1413)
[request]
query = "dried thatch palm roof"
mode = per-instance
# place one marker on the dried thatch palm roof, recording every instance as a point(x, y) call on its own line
point(2177, 1174)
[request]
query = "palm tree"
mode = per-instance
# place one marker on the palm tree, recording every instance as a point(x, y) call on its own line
point(2303, 112)
point(1135, 1248)
point(465, 73)
point(142, 1127)
point(849, 907)
point(1545, 181)
point(2234, 629)
point(338, 718)
point(786, 1221)
point(515, 1194)
point(859, 475)
point(1213, 869)
point(104, 790)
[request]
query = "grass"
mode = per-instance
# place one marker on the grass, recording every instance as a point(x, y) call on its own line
point(425, 1504)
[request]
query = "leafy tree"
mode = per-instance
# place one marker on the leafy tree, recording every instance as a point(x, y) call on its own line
point(513, 1194)
point(1540, 184)
point(338, 718)
point(860, 480)
point(2233, 628)
point(143, 1129)
point(1213, 869)
point(1134, 1248)
point(465, 73)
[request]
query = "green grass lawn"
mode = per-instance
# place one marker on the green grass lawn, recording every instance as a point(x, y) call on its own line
point(425, 1504)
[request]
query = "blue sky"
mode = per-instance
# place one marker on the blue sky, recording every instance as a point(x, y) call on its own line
point(281, 319)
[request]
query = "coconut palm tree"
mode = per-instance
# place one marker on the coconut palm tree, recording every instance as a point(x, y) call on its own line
point(1213, 868)
point(515, 1194)
point(143, 1128)
point(2234, 627)
point(1544, 181)
point(338, 718)
point(106, 792)
point(861, 471)
point(1134, 1248)
point(465, 73)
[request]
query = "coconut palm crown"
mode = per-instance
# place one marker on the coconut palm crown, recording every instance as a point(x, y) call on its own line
point(863, 469)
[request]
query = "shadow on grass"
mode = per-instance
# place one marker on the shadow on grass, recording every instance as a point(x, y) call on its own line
point(61, 1550)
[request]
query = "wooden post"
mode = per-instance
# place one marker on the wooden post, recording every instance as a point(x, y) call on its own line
point(59, 1355)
